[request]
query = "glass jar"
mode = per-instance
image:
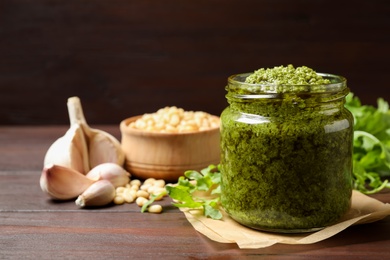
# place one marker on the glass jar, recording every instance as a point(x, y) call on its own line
point(286, 157)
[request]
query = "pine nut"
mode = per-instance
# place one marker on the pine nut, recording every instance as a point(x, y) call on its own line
point(119, 190)
point(155, 208)
point(149, 181)
point(134, 187)
point(142, 193)
point(128, 197)
point(159, 183)
point(118, 200)
point(140, 201)
point(135, 182)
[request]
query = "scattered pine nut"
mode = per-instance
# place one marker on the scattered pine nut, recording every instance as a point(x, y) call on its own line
point(140, 193)
point(140, 201)
point(135, 182)
point(155, 208)
point(118, 200)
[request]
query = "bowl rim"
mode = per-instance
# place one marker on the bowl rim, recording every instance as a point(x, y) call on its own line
point(125, 129)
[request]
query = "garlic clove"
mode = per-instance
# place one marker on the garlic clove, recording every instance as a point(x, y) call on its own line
point(69, 150)
point(112, 172)
point(102, 146)
point(99, 193)
point(63, 183)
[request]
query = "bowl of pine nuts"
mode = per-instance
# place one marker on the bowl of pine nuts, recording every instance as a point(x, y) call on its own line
point(166, 143)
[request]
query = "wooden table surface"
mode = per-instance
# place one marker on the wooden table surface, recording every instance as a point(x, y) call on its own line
point(34, 227)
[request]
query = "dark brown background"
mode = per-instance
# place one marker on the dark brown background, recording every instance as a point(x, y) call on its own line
point(124, 58)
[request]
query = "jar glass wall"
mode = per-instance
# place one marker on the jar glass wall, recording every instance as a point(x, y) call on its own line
point(286, 157)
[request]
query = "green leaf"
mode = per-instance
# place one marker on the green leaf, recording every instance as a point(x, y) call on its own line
point(383, 106)
point(183, 182)
point(371, 146)
point(211, 212)
point(193, 175)
point(204, 183)
point(216, 177)
point(183, 196)
point(365, 140)
point(216, 190)
point(207, 180)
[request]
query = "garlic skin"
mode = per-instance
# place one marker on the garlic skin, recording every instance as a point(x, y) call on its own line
point(102, 146)
point(63, 183)
point(69, 150)
point(112, 172)
point(99, 193)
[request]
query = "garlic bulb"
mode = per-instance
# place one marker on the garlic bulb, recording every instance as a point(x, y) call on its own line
point(82, 147)
point(111, 172)
point(63, 183)
point(102, 146)
point(99, 193)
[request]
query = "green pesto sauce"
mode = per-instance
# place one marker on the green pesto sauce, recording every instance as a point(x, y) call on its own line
point(286, 163)
point(287, 76)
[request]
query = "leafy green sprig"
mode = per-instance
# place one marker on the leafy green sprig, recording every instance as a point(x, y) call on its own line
point(196, 190)
point(199, 190)
point(371, 145)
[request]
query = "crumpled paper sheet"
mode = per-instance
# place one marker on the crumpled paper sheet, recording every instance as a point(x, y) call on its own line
point(364, 209)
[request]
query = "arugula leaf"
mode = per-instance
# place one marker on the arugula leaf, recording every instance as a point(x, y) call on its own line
point(182, 195)
point(193, 175)
point(191, 189)
point(371, 146)
point(212, 212)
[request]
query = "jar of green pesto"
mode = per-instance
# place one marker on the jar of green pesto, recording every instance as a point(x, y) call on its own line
point(286, 146)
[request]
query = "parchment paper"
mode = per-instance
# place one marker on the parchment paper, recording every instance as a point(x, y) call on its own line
point(363, 210)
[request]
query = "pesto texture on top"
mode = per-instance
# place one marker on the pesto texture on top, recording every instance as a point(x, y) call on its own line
point(287, 75)
point(288, 78)
point(286, 161)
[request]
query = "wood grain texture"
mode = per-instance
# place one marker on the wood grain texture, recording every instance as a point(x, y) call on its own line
point(124, 58)
point(34, 227)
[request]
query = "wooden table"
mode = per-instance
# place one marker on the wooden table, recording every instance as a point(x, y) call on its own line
point(34, 227)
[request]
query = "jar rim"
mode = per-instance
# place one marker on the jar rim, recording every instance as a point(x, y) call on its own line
point(237, 82)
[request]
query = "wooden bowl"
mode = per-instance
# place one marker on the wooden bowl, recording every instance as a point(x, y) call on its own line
point(168, 155)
